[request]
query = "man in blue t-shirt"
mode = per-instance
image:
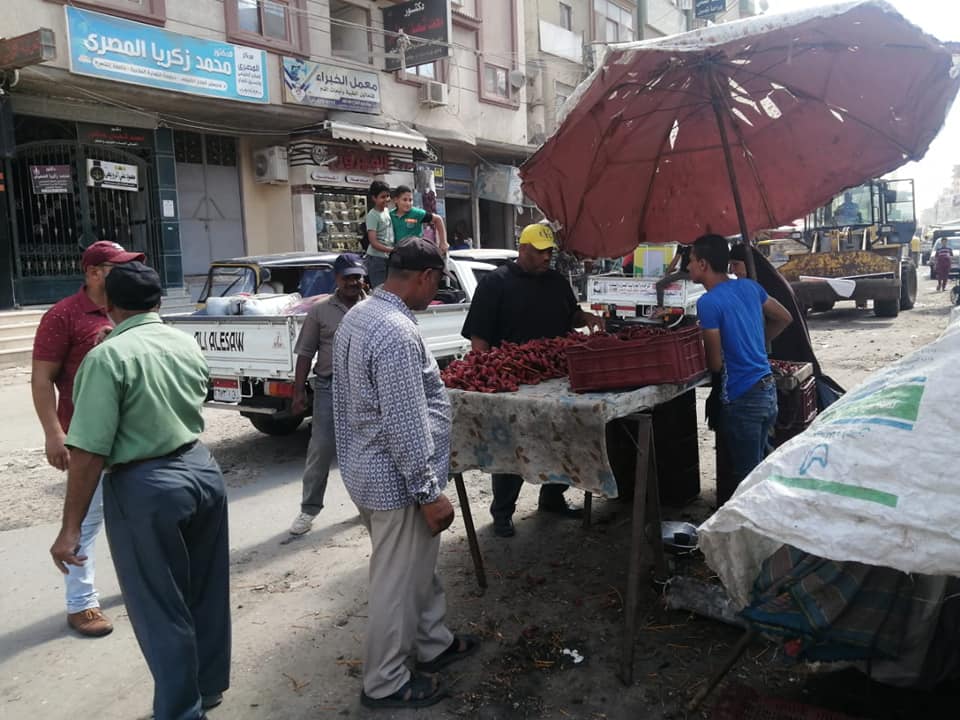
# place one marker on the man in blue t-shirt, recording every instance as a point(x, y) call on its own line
point(738, 320)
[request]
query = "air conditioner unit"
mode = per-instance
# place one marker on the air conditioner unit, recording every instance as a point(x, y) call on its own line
point(270, 165)
point(433, 94)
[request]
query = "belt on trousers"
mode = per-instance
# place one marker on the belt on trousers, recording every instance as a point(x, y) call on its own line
point(762, 382)
point(169, 456)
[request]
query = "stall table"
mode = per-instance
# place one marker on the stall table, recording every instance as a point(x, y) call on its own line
point(548, 433)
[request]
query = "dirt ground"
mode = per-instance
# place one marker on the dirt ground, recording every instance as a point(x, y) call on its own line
point(554, 587)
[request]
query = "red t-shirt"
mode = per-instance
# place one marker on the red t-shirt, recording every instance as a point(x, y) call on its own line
point(67, 332)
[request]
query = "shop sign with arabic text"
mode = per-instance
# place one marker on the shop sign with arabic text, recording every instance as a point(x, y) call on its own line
point(108, 47)
point(329, 86)
point(424, 19)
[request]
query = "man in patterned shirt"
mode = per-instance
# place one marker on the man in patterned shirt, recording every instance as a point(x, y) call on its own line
point(392, 424)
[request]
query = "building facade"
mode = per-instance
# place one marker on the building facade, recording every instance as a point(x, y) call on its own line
point(565, 40)
point(199, 130)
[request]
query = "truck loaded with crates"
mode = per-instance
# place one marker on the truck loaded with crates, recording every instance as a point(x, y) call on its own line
point(859, 250)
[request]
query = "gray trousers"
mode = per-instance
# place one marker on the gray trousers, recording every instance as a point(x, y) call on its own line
point(376, 270)
point(322, 449)
point(406, 605)
point(167, 528)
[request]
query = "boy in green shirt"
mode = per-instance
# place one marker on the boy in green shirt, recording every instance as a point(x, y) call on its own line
point(408, 221)
point(379, 233)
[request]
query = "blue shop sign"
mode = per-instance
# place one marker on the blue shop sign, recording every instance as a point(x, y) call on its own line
point(108, 47)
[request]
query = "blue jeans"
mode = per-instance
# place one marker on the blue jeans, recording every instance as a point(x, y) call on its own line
point(746, 426)
point(322, 449)
point(80, 592)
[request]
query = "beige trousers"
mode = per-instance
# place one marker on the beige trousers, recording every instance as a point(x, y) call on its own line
point(406, 604)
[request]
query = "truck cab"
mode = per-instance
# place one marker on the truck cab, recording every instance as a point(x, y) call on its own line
point(862, 237)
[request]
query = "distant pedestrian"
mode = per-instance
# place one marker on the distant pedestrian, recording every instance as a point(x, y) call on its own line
point(943, 259)
point(67, 332)
point(138, 398)
point(316, 340)
point(392, 420)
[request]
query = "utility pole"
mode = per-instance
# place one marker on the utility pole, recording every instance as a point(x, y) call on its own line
point(641, 18)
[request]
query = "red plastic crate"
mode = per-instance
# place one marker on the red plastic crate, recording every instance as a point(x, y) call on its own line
point(613, 364)
point(797, 407)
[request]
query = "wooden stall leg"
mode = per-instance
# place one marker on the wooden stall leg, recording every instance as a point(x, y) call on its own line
point(587, 507)
point(644, 439)
point(655, 538)
point(471, 531)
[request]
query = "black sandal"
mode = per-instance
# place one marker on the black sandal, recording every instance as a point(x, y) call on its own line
point(419, 691)
point(462, 646)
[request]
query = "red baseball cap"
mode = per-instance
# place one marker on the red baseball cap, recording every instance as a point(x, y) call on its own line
point(104, 251)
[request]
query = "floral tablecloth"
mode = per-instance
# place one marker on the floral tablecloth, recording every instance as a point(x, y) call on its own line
point(546, 432)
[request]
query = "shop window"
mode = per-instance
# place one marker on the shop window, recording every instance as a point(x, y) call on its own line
point(270, 24)
point(612, 23)
point(349, 31)
point(566, 16)
point(148, 11)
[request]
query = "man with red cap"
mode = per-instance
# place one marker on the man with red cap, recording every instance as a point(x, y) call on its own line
point(67, 332)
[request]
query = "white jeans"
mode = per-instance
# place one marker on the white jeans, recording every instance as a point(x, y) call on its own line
point(81, 594)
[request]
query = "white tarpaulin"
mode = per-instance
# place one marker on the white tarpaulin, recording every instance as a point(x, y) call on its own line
point(872, 480)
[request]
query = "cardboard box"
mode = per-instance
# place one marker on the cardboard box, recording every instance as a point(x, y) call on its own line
point(652, 261)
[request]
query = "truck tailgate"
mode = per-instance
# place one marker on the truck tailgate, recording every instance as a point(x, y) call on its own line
point(243, 346)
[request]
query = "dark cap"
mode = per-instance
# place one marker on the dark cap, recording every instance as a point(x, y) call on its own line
point(134, 286)
point(416, 254)
point(348, 264)
point(104, 251)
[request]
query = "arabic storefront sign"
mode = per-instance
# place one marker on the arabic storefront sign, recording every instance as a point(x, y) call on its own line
point(51, 179)
point(500, 183)
point(706, 8)
point(113, 176)
point(425, 19)
point(114, 136)
point(321, 85)
point(130, 52)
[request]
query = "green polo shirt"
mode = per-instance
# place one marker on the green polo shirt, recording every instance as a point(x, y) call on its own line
point(138, 394)
point(409, 225)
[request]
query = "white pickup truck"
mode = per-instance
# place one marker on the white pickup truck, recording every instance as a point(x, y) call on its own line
point(251, 358)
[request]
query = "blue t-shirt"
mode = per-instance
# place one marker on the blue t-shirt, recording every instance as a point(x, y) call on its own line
point(735, 308)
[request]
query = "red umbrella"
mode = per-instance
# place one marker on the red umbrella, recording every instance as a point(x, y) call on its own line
point(746, 125)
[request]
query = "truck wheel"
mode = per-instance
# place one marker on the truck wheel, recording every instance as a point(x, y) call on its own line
point(886, 308)
point(908, 286)
point(823, 306)
point(270, 425)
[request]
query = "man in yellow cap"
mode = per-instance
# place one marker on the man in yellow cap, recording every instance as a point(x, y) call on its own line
point(521, 301)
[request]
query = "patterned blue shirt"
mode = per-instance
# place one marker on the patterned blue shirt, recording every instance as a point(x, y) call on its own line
point(391, 413)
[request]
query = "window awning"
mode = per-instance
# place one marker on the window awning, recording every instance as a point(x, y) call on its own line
point(376, 136)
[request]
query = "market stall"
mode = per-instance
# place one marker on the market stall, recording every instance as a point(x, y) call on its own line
point(546, 432)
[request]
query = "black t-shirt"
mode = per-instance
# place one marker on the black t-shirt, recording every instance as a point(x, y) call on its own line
point(514, 306)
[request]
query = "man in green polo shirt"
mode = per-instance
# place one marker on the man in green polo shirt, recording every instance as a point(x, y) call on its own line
point(138, 399)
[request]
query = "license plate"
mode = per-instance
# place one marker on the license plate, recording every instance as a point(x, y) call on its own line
point(226, 390)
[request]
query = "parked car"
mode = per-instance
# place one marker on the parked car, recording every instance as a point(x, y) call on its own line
point(953, 241)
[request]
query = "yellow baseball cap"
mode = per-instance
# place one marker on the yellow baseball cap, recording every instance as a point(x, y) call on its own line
point(538, 235)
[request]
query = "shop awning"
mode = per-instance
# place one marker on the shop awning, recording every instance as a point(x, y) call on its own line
point(376, 136)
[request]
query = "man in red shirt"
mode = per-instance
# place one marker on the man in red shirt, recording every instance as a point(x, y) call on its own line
point(67, 332)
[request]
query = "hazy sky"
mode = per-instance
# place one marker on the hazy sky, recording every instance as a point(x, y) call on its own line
point(934, 171)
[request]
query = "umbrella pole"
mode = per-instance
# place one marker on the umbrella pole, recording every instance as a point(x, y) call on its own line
point(718, 110)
